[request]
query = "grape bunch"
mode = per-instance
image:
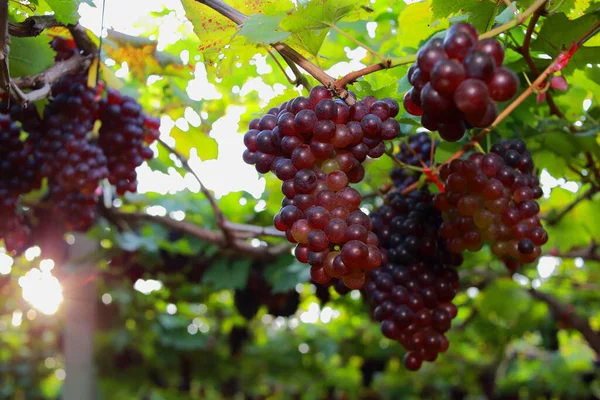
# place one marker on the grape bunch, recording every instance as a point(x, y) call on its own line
point(63, 148)
point(19, 174)
point(412, 293)
point(75, 209)
point(124, 133)
point(417, 149)
point(491, 198)
point(316, 145)
point(456, 81)
point(68, 157)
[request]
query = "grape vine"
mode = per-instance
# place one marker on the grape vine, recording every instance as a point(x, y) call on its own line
point(62, 148)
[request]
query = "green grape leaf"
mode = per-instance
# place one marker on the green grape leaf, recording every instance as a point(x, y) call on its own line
point(65, 11)
point(309, 22)
point(480, 13)
point(20, 60)
point(415, 24)
point(492, 302)
point(286, 273)
point(444, 151)
point(263, 29)
point(558, 32)
point(207, 147)
point(227, 274)
point(507, 15)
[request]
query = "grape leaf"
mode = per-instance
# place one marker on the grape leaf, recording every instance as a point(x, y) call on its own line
point(415, 24)
point(308, 23)
point(445, 149)
point(573, 8)
point(206, 146)
point(65, 11)
point(20, 60)
point(263, 29)
point(480, 13)
point(213, 29)
point(559, 32)
point(227, 274)
point(491, 303)
point(286, 273)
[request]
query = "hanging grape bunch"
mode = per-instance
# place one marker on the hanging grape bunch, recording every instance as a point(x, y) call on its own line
point(316, 146)
point(19, 174)
point(411, 294)
point(62, 148)
point(456, 81)
point(491, 198)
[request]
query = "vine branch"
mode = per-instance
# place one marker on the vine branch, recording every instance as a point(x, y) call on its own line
point(567, 314)
point(40, 83)
point(215, 237)
point(586, 196)
point(587, 253)
point(220, 218)
point(32, 26)
point(526, 53)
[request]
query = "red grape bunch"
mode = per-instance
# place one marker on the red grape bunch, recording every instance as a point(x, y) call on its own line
point(316, 145)
point(456, 81)
point(412, 292)
point(491, 198)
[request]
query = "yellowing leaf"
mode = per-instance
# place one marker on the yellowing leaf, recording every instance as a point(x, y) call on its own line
point(214, 30)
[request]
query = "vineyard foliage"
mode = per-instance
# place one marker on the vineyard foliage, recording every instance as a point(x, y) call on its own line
point(235, 312)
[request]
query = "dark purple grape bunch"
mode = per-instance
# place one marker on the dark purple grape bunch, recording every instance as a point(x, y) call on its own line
point(456, 82)
point(491, 198)
point(67, 156)
point(411, 294)
point(416, 150)
point(76, 210)
point(125, 135)
point(316, 146)
point(19, 174)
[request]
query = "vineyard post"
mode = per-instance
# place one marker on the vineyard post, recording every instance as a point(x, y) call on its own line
point(80, 310)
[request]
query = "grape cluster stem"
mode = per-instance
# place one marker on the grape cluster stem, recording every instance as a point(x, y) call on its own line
point(565, 313)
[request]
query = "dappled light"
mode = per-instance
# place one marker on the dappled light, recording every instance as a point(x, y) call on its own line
point(297, 200)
